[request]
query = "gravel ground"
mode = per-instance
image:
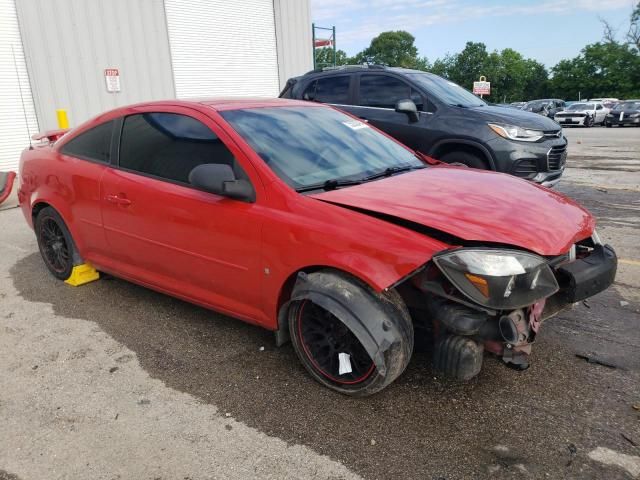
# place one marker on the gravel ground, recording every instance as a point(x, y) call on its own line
point(111, 380)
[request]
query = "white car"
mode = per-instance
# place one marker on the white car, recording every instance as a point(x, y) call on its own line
point(584, 114)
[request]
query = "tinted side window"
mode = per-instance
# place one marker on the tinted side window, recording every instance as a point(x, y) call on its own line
point(94, 144)
point(383, 91)
point(169, 146)
point(328, 90)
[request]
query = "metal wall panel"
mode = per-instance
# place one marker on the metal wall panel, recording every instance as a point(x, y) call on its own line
point(69, 43)
point(17, 113)
point(223, 48)
point(293, 36)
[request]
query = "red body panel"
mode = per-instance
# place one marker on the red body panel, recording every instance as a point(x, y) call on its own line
point(476, 205)
point(238, 257)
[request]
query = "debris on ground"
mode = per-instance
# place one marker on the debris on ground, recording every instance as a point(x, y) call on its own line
point(596, 360)
point(629, 439)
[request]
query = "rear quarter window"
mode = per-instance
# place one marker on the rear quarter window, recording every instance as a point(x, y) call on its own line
point(94, 144)
point(328, 90)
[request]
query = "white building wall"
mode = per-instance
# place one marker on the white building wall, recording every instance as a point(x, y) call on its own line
point(69, 43)
point(293, 37)
point(17, 113)
point(223, 47)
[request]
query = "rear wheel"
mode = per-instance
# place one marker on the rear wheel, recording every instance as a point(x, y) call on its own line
point(54, 242)
point(467, 158)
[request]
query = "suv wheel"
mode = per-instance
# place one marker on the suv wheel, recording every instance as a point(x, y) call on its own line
point(467, 158)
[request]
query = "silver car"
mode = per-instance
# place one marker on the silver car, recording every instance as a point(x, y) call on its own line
point(585, 114)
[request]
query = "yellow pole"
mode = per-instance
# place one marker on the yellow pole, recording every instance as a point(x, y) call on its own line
point(63, 121)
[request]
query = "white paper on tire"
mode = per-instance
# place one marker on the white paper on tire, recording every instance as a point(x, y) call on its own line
point(344, 359)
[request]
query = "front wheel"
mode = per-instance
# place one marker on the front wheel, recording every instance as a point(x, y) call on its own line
point(467, 158)
point(607, 124)
point(327, 345)
point(588, 122)
point(54, 242)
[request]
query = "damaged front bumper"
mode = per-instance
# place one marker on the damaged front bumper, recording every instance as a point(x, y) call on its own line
point(585, 271)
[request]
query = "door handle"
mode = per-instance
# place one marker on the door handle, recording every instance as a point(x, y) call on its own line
point(118, 200)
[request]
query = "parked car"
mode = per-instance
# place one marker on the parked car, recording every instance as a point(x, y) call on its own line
point(518, 105)
point(607, 102)
point(451, 124)
point(547, 107)
point(624, 113)
point(582, 114)
point(304, 220)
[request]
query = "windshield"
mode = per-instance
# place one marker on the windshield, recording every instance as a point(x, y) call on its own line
point(307, 146)
point(446, 91)
point(627, 106)
point(536, 104)
point(581, 106)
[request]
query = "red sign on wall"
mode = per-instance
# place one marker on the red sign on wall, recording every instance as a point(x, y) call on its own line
point(112, 79)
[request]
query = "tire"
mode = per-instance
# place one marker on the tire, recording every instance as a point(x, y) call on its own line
point(55, 243)
point(607, 124)
point(588, 122)
point(467, 158)
point(318, 336)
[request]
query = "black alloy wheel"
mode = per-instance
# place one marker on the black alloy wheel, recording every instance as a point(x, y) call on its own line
point(54, 242)
point(323, 338)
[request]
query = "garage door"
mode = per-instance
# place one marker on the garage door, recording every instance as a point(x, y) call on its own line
point(223, 47)
point(16, 122)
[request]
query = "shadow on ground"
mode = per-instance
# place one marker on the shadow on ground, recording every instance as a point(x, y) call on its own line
point(548, 417)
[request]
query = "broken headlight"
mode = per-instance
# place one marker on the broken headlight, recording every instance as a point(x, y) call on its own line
point(498, 279)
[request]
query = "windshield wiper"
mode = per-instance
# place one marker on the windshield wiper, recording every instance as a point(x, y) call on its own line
point(387, 172)
point(330, 184)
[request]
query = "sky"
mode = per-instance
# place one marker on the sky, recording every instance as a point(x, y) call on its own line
point(545, 30)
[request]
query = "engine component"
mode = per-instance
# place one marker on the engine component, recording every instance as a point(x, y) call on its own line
point(458, 357)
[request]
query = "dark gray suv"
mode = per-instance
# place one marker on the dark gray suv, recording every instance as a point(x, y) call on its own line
point(448, 122)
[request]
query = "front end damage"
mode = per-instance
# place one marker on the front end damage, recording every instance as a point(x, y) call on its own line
point(472, 300)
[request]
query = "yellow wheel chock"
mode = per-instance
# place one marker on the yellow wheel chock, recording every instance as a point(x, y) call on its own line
point(81, 274)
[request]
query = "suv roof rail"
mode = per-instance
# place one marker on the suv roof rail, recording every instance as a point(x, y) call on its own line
point(346, 67)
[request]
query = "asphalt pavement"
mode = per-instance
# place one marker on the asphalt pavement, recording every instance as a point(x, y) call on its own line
point(114, 381)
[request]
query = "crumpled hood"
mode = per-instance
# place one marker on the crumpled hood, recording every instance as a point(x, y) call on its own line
point(474, 205)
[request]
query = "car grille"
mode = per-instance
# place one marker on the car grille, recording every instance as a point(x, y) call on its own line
point(556, 157)
point(526, 168)
point(553, 133)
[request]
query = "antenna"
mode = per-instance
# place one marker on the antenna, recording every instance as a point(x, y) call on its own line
point(24, 110)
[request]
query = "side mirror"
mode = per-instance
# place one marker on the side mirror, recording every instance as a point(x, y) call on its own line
point(219, 179)
point(408, 107)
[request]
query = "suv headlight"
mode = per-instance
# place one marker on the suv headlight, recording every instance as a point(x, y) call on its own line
point(513, 132)
point(498, 279)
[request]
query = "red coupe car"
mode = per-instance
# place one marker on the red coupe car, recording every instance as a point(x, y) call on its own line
point(311, 223)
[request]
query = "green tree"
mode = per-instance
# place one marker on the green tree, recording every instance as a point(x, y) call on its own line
point(601, 70)
point(324, 57)
point(395, 49)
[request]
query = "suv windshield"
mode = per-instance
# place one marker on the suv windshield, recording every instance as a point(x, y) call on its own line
point(627, 106)
point(307, 146)
point(580, 106)
point(446, 91)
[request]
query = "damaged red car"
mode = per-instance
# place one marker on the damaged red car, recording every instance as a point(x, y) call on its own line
point(306, 221)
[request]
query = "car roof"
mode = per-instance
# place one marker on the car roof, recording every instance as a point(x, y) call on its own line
point(228, 103)
point(361, 68)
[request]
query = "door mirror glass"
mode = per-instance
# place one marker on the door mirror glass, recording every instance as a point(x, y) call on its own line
point(408, 107)
point(219, 179)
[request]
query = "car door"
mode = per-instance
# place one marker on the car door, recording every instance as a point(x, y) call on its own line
point(376, 97)
point(165, 233)
point(87, 157)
